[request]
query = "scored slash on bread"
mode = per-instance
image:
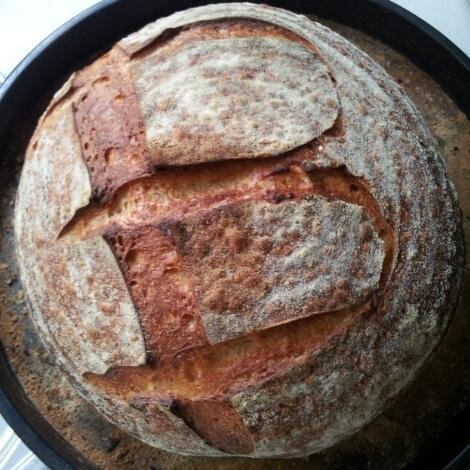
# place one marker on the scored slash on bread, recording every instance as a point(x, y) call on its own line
point(239, 214)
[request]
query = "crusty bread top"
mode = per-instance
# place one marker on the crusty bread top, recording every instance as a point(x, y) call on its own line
point(245, 194)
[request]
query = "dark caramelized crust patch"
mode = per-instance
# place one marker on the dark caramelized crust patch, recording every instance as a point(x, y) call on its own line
point(108, 123)
point(218, 423)
point(161, 291)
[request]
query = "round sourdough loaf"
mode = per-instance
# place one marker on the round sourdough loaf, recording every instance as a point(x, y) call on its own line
point(236, 234)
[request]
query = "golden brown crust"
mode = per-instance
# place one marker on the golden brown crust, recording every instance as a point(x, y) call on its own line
point(172, 263)
point(161, 292)
point(225, 267)
point(108, 123)
point(218, 423)
point(298, 260)
point(222, 370)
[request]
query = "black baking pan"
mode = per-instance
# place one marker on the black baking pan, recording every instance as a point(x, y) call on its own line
point(99, 27)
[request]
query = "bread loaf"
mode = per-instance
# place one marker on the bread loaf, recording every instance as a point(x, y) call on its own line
point(236, 234)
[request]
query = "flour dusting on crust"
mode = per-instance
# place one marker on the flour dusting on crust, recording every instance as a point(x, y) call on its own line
point(315, 86)
point(232, 98)
point(76, 292)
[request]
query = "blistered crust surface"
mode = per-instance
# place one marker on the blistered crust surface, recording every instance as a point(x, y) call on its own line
point(336, 374)
point(224, 99)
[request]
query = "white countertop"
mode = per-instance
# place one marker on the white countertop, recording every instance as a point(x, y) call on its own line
point(20, 29)
point(24, 23)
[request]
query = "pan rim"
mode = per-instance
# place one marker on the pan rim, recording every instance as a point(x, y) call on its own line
point(56, 453)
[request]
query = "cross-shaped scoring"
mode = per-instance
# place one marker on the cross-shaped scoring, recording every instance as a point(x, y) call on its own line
point(222, 285)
